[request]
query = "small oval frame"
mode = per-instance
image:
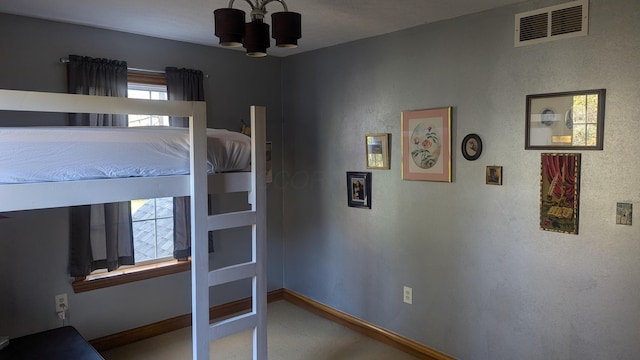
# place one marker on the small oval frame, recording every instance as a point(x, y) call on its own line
point(470, 140)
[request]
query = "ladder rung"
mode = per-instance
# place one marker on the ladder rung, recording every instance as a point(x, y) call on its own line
point(232, 220)
point(232, 326)
point(232, 273)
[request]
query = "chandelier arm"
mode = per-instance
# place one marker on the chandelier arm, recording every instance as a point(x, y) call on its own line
point(284, 4)
point(247, 1)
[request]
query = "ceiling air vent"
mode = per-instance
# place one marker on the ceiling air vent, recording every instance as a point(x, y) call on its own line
point(552, 23)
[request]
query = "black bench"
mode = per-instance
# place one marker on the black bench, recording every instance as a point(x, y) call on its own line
point(64, 343)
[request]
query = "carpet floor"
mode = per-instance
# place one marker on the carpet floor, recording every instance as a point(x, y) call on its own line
point(292, 334)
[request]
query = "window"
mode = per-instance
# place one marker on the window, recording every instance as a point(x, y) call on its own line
point(152, 219)
point(149, 92)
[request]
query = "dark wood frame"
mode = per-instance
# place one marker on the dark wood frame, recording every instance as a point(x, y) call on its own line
point(467, 139)
point(552, 103)
point(364, 179)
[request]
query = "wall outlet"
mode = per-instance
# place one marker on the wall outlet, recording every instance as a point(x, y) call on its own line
point(408, 295)
point(62, 303)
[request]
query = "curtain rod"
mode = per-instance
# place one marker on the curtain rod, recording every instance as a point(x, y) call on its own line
point(159, 72)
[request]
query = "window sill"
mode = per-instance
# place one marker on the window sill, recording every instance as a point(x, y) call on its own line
point(132, 274)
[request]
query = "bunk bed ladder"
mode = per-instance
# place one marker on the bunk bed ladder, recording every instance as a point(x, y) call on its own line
point(201, 223)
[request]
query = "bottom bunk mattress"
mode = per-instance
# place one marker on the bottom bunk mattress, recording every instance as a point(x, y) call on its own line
point(63, 343)
point(41, 154)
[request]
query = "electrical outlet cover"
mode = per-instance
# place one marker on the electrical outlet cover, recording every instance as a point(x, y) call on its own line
point(408, 295)
point(62, 303)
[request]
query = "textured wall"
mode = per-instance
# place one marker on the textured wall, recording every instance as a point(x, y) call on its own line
point(30, 51)
point(487, 283)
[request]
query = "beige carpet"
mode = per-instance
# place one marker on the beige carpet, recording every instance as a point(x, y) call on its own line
point(293, 334)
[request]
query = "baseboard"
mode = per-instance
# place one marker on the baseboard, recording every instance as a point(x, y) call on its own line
point(392, 339)
point(175, 323)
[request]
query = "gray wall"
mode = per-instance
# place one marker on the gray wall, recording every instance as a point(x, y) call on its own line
point(34, 244)
point(487, 283)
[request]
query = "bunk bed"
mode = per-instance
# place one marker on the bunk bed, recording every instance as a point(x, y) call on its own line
point(197, 184)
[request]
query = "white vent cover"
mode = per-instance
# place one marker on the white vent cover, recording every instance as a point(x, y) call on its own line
point(552, 23)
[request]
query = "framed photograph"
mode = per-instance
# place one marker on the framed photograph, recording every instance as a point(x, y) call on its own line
point(377, 151)
point(359, 189)
point(494, 175)
point(559, 192)
point(269, 164)
point(426, 144)
point(471, 147)
point(567, 120)
point(624, 212)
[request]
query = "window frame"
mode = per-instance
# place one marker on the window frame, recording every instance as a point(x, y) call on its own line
point(128, 274)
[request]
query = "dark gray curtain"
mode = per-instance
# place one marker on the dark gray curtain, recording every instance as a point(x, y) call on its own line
point(101, 235)
point(183, 84)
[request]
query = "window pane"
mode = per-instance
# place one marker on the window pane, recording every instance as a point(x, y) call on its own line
point(158, 95)
point(165, 237)
point(157, 120)
point(579, 135)
point(139, 120)
point(591, 134)
point(145, 240)
point(592, 108)
point(164, 207)
point(138, 94)
point(143, 209)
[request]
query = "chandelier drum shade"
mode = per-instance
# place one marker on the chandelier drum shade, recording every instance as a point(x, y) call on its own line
point(231, 29)
point(229, 26)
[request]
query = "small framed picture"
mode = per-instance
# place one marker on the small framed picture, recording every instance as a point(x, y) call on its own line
point(269, 163)
point(494, 175)
point(359, 189)
point(377, 151)
point(624, 213)
point(471, 147)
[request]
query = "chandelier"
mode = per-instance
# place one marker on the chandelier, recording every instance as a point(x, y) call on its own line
point(231, 29)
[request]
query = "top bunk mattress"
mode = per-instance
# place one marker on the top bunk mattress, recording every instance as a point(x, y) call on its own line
point(43, 154)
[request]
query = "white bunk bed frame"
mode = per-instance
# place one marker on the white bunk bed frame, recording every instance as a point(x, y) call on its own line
point(15, 197)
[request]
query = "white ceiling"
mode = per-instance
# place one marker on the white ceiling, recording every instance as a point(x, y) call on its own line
point(324, 22)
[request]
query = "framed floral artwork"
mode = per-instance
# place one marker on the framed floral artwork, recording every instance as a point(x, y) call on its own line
point(426, 144)
point(559, 192)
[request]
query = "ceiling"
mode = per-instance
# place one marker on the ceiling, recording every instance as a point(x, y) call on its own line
point(324, 22)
